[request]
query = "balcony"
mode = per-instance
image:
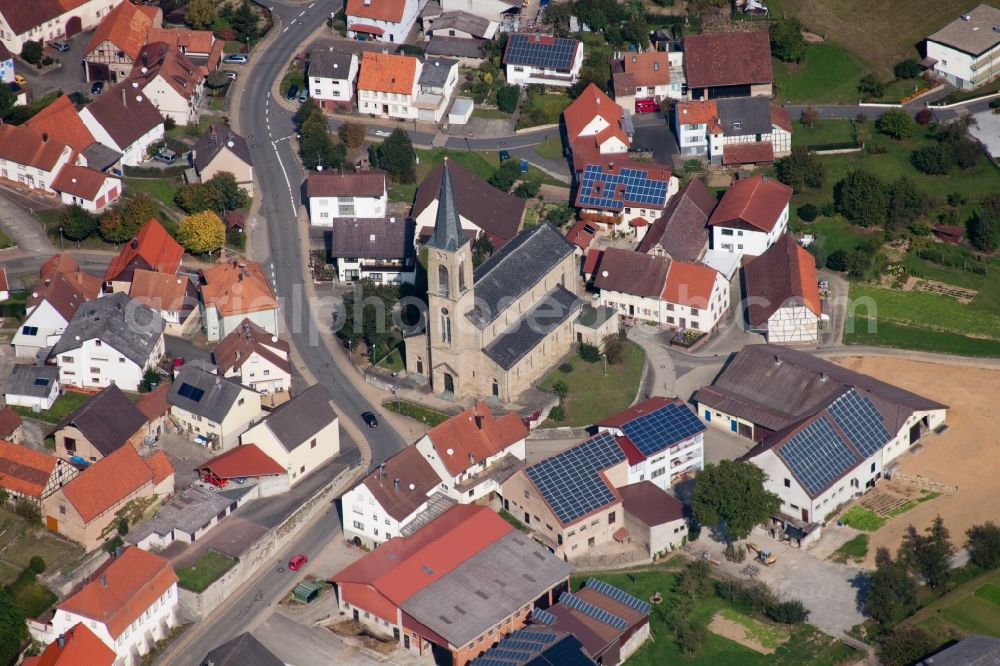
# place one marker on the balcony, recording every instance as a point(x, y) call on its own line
point(499, 471)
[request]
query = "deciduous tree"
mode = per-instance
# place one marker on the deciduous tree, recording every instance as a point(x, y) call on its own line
point(112, 228)
point(202, 232)
point(801, 170)
point(896, 123)
point(809, 116)
point(200, 14)
point(731, 495)
point(861, 198)
point(907, 69)
point(787, 43)
point(904, 646)
point(77, 223)
point(892, 591)
point(398, 157)
point(984, 545)
point(352, 134)
point(928, 555)
point(507, 98)
point(13, 630)
point(226, 192)
point(139, 210)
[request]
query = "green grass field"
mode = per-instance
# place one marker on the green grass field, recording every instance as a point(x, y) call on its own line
point(822, 131)
point(990, 592)
point(975, 615)
point(417, 412)
point(913, 503)
point(829, 73)
point(61, 408)
point(900, 88)
point(926, 310)
point(862, 519)
point(490, 114)
point(594, 395)
point(208, 569)
point(767, 635)
point(970, 608)
point(861, 331)
point(161, 189)
point(551, 148)
point(544, 109)
point(854, 549)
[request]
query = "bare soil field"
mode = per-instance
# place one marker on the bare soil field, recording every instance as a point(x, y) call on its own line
point(881, 33)
point(967, 456)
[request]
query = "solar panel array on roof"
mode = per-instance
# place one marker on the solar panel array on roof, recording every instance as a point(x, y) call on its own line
point(540, 52)
point(817, 455)
point(543, 616)
point(602, 189)
point(542, 637)
point(192, 392)
point(861, 421)
point(619, 595)
point(569, 482)
point(599, 614)
point(657, 430)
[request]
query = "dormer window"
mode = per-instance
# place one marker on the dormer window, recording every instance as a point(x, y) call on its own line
point(737, 126)
point(656, 66)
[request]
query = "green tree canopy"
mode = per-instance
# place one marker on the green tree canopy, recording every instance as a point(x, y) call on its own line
point(77, 223)
point(929, 555)
point(200, 14)
point(984, 545)
point(139, 210)
point(731, 495)
point(226, 192)
point(896, 123)
point(13, 630)
point(503, 178)
point(861, 198)
point(398, 157)
point(787, 43)
point(202, 232)
point(892, 591)
point(801, 170)
point(507, 98)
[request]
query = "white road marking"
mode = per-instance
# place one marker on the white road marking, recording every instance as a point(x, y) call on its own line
point(291, 199)
point(285, 29)
point(303, 12)
point(311, 6)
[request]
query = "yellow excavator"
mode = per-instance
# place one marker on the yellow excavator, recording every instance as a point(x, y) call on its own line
point(765, 557)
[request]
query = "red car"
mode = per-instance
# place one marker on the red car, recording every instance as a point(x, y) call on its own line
point(648, 105)
point(297, 562)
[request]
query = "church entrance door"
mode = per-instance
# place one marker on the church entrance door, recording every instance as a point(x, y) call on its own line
point(449, 383)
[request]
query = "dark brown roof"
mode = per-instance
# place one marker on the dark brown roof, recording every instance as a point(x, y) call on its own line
point(214, 140)
point(246, 339)
point(64, 285)
point(107, 420)
point(756, 202)
point(727, 59)
point(9, 422)
point(784, 275)
point(796, 384)
point(125, 114)
point(154, 404)
point(410, 468)
point(682, 230)
point(497, 213)
point(378, 238)
point(650, 504)
point(631, 272)
point(363, 184)
point(748, 153)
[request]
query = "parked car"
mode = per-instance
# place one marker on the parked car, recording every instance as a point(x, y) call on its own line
point(381, 133)
point(293, 91)
point(236, 59)
point(97, 88)
point(201, 440)
point(230, 74)
point(166, 155)
point(20, 80)
point(297, 561)
point(62, 47)
point(504, 155)
point(303, 95)
point(176, 365)
point(648, 105)
point(370, 419)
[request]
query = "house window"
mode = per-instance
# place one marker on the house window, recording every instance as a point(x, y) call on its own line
point(62, 509)
point(31, 330)
point(240, 401)
point(302, 470)
point(97, 343)
point(737, 126)
point(873, 468)
point(312, 444)
point(67, 359)
point(788, 483)
point(359, 525)
point(726, 232)
point(95, 371)
point(526, 495)
point(611, 518)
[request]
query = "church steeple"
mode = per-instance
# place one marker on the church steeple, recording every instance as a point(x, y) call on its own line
point(448, 234)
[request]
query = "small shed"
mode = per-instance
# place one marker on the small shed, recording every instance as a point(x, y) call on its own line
point(461, 111)
point(305, 592)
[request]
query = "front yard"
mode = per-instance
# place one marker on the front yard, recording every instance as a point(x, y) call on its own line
point(64, 405)
point(593, 394)
point(829, 73)
point(542, 109)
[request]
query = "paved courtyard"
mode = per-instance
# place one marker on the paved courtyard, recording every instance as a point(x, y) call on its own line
point(987, 130)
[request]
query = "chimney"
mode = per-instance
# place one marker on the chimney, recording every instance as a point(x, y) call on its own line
point(395, 485)
point(218, 383)
point(822, 376)
point(777, 360)
point(45, 136)
point(104, 581)
point(124, 97)
point(472, 456)
point(62, 640)
point(381, 469)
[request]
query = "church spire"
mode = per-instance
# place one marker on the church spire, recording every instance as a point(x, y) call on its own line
point(448, 234)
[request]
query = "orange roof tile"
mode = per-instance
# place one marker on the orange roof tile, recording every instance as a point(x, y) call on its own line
point(64, 285)
point(162, 291)
point(650, 68)
point(23, 470)
point(188, 41)
point(81, 646)
point(402, 566)
point(171, 65)
point(21, 145)
point(748, 153)
point(390, 11)
point(237, 288)
point(779, 117)
point(61, 120)
point(476, 433)
point(591, 103)
point(158, 463)
point(125, 27)
point(121, 592)
point(757, 201)
point(154, 404)
point(107, 482)
point(152, 248)
point(385, 72)
point(245, 460)
point(82, 182)
point(689, 284)
point(697, 113)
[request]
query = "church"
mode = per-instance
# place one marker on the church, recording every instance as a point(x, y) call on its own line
point(495, 330)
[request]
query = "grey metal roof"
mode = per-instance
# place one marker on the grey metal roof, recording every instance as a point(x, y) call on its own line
point(35, 381)
point(100, 157)
point(330, 64)
point(507, 574)
point(381, 238)
point(217, 393)
point(435, 71)
point(519, 265)
point(523, 335)
point(975, 36)
point(972, 651)
point(448, 234)
point(477, 26)
point(188, 511)
point(744, 116)
point(437, 504)
point(461, 47)
point(301, 417)
point(244, 650)
point(107, 420)
point(127, 326)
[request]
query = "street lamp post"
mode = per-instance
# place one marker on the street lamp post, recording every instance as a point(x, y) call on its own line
point(60, 239)
point(604, 359)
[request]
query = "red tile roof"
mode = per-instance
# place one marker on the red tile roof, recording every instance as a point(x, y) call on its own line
point(126, 27)
point(21, 145)
point(748, 153)
point(21, 16)
point(579, 235)
point(80, 181)
point(64, 286)
point(236, 287)
point(154, 404)
point(159, 466)
point(650, 504)
point(152, 248)
point(390, 11)
point(779, 117)
point(784, 275)
point(163, 291)
point(591, 103)
point(245, 340)
point(9, 422)
point(107, 482)
point(403, 566)
point(191, 42)
point(727, 59)
point(385, 72)
point(476, 433)
point(81, 646)
point(23, 470)
point(123, 591)
point(650, 68)
point(592, 261)
point(166, 61)
point(246, 460)
point(697, 113)
point(370, 29)
point(363, 184)
point(757, 201)
point(61, 120)
point(689, 284)
point(631, 272)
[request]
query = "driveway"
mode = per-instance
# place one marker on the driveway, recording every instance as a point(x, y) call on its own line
point(652, 131)
point(22, 227)
point(69, 78)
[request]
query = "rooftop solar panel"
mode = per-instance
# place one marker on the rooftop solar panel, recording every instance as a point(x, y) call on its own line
point(861, 421)
point(543, 617)
point(817, 455)
point(662, 428)
point(491, 661)
point(619, 595)
point(541, 52)
point(543, 637)
point(599, 614)
point(568, 481)
point(601, 189)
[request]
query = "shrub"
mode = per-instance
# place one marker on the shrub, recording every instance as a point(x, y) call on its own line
point(925, 116)
point(837, 261)
point(32, 52)
point(903, 646)
point(807, 213)
point(589, 353)
point(557, 413)
point(527, 189)
point(788, 612)
point(935, 159)
point(829, 209)
point(907, 69)
point(507, 98)
point(870, 85)
point(564, 368)
point(984, 545)
point(28, 511)
point(896, 123)
point(614, 349)
point(36, 565)
point(561, 389)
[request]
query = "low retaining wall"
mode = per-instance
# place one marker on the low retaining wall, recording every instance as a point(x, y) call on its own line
point(559, 433)
point(196, 606)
